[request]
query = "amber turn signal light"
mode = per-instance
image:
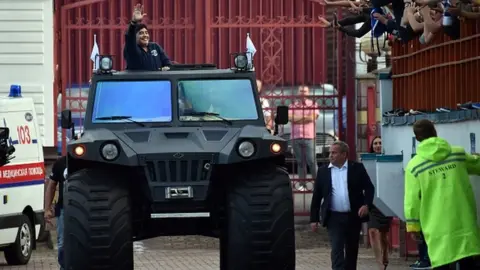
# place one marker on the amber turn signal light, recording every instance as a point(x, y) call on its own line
point(275, 148)
point(79, 150)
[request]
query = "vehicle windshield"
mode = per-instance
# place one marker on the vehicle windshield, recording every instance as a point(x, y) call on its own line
point(229, 99)
point(140, 101)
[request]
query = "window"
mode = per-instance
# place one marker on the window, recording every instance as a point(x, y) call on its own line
point(324, 95)
point(143, 101)
point(230, 99)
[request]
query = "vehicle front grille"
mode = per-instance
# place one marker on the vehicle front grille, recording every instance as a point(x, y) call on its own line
point(179, 171)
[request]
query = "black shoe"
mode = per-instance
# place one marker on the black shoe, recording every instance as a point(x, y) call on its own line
point(415, 264)
point(422, 265)
point(465, 106)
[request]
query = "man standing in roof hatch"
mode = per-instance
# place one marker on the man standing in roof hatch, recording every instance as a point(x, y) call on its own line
point(139, 52)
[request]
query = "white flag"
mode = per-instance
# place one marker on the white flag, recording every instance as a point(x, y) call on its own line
point(251, 50)
point(250, 47)
point(95, 53)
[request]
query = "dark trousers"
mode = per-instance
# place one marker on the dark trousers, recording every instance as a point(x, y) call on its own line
point(453, 31)
point(344, 233)
point(423, 250)
point(352, 20)
point(465, 264)
point(398, 7)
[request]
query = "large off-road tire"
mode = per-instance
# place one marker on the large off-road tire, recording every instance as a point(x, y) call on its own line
point(259, 233)
point(19, 253)
point(97, 220)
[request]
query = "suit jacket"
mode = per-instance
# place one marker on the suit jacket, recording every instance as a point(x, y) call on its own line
point(360, 192)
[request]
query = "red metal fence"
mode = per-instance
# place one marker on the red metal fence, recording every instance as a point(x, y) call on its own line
point(440, 74)
point(292, 47)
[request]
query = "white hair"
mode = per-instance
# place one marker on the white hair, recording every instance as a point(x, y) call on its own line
point(343, 146)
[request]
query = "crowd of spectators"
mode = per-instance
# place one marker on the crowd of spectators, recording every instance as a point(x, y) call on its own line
point(402, 20)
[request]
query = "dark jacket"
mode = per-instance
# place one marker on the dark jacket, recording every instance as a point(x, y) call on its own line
point(138, 59)
point(57, 175)
point(360, 192)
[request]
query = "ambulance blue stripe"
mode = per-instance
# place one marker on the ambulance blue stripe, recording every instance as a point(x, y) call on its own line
point(15, 142)
point(23, 184)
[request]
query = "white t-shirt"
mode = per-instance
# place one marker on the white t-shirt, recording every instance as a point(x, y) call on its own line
point(265, 106)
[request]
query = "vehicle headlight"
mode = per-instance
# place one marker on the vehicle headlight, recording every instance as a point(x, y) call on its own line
point(106, 63)
point(241, 61)
point(246, 149)
point(110, 151)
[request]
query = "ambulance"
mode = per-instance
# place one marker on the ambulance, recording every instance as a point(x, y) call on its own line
point(22, 177)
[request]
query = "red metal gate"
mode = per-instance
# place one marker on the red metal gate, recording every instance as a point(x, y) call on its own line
point(438, 74)
point(291, 46)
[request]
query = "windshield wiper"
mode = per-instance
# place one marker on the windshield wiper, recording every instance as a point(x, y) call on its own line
point(120, 117)
point(200, 114)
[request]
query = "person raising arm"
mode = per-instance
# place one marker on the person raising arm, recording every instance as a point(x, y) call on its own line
point(139, 52)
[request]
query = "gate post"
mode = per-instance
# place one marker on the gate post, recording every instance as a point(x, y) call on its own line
point(340, 85)
point(351, 97)
point(208, 31)
point(63, 71)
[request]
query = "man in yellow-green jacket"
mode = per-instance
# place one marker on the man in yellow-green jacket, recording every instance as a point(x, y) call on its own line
point(439, 199)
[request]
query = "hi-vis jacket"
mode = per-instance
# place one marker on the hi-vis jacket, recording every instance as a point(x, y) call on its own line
point(439, 200)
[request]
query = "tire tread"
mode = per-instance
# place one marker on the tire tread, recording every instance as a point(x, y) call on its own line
point(98, 232)
point(261, 234)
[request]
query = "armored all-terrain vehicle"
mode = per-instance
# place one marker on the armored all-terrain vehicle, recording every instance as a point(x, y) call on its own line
point(178, 152)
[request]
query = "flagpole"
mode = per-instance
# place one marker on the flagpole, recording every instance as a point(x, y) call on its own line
point(252, 67)
point(94, 42)
point(248, 38)
point(250, 52)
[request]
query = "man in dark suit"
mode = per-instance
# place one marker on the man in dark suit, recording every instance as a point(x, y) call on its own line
point(347, 193)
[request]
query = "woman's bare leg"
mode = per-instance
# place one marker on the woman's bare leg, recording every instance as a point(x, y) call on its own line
point(375, 241)
point(385, 247)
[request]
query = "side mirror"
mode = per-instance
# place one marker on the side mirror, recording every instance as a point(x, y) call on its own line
point(282, 115)
point(4, 133)
point(66, 120)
